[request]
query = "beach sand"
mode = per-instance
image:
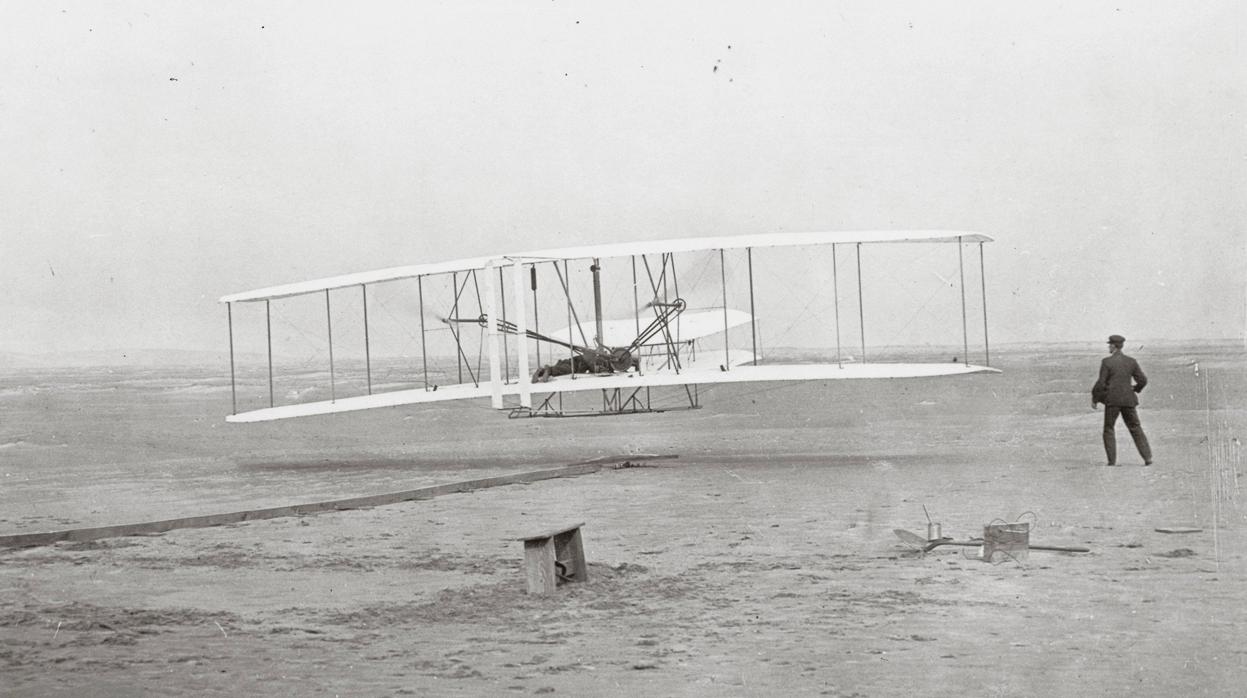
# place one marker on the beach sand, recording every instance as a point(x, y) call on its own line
point(761, 560)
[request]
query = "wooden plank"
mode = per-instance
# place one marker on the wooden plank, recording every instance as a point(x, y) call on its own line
point(152, 527)
point(553, 532)
point(569, 547)
point(539, 561)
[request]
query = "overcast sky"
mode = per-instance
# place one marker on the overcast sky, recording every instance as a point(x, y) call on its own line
point(157, 156)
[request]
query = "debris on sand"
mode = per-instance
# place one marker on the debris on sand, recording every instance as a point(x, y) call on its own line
point(1179, 552)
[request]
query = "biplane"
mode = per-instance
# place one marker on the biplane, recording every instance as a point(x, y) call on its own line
point(669, 319)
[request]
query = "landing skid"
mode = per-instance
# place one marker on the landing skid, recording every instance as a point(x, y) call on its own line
point(523, 412)
point(614, 402)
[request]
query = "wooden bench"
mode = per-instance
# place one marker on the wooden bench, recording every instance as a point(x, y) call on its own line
point(554, 557)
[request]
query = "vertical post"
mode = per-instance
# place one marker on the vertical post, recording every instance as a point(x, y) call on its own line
point(480, 344)
point(329, 326)
point(675, 283)
point(521, 333)
point(965, 332)
point(491, 332)
point(861, 307)
point(424, 353)
point(666, 292)
point(727, 360)
point(506, 350)
point(596, 268)
point(636, 312)
point(532, 273)
point(268, 329)
point(571, 353)
point(753, 326)
point(636, 303)
point(835, 290)
point(233, 386)
point(454, 283)
point(987, 352)
point(363, 288)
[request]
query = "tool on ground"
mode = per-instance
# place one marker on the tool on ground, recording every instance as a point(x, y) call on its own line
point(927, 545)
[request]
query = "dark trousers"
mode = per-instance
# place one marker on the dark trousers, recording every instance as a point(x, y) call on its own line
point(1130, 416)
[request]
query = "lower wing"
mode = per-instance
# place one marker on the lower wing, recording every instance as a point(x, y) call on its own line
point(708, 369)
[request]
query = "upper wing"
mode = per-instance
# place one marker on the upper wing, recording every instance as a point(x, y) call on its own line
point(622, 249)
point(357, 279)
point(736, 242)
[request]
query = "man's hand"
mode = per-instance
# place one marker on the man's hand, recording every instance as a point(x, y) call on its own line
point(1094, 404)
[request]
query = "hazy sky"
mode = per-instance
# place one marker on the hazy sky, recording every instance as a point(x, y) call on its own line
point(159, 155)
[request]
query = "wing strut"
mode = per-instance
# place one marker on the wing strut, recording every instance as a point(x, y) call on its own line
point(636, 309)
point(564, 280)
point(268, 330)
point(532, 275)
point(835, 289)
point(506, 351)
point(753, 326)
point(363, 288)
point(233, 385)
point(333, 395)
point(673, 356)
point(461, 360)
point(965, 333)
point(424, 352)
point(454, 311)
point(987, 352)
point(491, 330)
point(496, 325)
point(521, 348)
point(727, 363)
point(861, 308)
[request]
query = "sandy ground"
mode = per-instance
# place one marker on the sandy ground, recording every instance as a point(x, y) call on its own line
point(761, 561)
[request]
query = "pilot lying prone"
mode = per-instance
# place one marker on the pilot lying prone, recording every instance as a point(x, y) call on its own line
point(604, 361)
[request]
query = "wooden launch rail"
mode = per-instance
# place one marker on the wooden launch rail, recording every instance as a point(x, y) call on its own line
point(21, 540)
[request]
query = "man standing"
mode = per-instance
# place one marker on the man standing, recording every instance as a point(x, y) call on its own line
point(1115, 389)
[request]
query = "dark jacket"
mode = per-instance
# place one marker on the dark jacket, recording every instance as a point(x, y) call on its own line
point(1114, 386)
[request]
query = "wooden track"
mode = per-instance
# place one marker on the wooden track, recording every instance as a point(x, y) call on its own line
point(21, 540)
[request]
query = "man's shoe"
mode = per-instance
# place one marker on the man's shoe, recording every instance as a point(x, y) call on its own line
point(1147, 462)
point(1111, 465)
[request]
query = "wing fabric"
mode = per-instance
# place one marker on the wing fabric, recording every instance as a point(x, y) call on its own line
point(623, 249)
point(707, 370)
